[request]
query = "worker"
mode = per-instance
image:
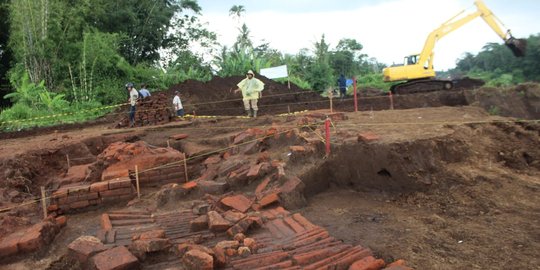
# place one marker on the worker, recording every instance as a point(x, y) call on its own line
point(251, 88)
point(144, 92)
point(342, 84)
point(133, 97)
point(178, 104)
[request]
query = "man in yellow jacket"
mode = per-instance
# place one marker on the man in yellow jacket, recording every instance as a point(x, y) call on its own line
point(251, 88)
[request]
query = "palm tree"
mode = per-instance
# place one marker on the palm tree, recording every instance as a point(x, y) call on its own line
point(236, 12)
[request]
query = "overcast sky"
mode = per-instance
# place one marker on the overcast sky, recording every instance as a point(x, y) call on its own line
point(388, 29)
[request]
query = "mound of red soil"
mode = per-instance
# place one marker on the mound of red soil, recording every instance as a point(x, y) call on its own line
point(216, 97)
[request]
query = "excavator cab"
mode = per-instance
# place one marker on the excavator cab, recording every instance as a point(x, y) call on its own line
point(411, 60)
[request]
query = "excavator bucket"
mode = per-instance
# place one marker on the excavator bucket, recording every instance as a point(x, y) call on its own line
point(517, 46)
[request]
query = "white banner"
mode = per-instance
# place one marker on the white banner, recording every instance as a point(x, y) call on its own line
point(275, 72)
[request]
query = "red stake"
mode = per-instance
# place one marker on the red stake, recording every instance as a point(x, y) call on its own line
point(355, 96)
point(327, 128)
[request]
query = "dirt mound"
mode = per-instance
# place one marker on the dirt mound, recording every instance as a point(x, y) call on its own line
point(216, 96)
point(521, 101)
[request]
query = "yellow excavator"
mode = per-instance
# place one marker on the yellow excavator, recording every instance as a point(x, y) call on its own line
point(417, 73)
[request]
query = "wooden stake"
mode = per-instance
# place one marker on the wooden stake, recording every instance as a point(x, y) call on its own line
point(289, 108)
point(331, 95)
point(185, 168)
point(43, 202)
point(168, 144)
point(137, 181)
point(68, 162)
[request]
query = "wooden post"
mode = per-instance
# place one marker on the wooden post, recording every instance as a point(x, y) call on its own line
point(43, 202)
point(289, 108)
point(185, 168)
point(68, 162)
point(330, 96)
point(168, 144)
point(355, 96)
point(137, 181)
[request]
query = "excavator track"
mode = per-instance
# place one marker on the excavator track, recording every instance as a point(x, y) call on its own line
point(421, 86)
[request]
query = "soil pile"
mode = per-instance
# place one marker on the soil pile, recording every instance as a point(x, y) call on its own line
point(521, 101)
point(216, 97)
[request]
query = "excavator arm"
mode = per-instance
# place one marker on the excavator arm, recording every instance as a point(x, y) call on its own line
point(420, 67)
point(517, 46)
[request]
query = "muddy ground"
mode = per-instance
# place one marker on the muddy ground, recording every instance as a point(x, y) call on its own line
point(443, 188)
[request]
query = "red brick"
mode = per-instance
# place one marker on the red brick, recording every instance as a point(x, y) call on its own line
point(315, 255)
point(230, 252)
point(61, 221)
point(217, 223)
point(37, 236)
point(297, 148)
point(118, 258)
point(252, 263)
point(233, 216)
point(238, 202)
point(199, 224)
point(367, 263)
point(153, 234)
point(116, 192)
point(78, 189)
point(196, 259)
point(244, 251)
point(79, 204)
point(106, 222)
point(123, 182)
point(178, 137)
point(261, 187)
point(220, 259)
point(368, 137)
point(99, 186)
point(349, 259)
point(303, 221)
point(142, 246)
point(85, 247)
point(250, 243)
point(240, 227)
point(228, 244)
point(62, 192)
point(212, 160)
point(269, 199)
point(189, 185)
point(52, 208)
point(8, 244)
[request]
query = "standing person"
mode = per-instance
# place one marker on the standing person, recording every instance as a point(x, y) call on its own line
point(178, 104)
point(342, 84)
point(144, 92)
point(133, 97)
point(251, 88)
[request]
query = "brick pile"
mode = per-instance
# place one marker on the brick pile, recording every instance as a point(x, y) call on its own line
point(78, 196)
point(31, 239)
point(154, 110)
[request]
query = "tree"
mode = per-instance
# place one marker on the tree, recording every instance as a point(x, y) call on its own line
point(236, 12)
point(5, 54)
point(319, 73)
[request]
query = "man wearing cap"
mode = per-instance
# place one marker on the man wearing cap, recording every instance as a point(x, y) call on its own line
point(178, 104)
point(251, 88)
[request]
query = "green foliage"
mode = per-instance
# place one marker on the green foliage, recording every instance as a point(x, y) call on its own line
point(372, 80)
point(494, 110)
point(496, 64)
